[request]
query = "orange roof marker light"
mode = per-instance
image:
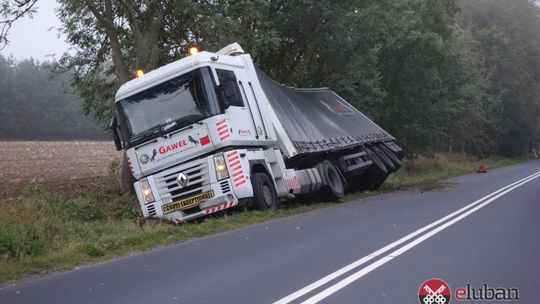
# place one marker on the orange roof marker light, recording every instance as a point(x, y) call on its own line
point(193, 50)
point(138, 73)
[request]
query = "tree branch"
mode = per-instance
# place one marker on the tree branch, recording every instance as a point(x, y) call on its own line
point(12, 13)
point(106, 20)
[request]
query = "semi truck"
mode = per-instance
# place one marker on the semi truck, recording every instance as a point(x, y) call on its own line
point(211, 131)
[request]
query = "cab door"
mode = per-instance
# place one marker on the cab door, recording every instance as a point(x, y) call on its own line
point(244, 125)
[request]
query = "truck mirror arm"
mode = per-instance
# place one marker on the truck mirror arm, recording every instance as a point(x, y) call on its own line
point(114, 127)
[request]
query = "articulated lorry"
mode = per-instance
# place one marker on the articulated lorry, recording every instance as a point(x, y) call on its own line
point(211, 131)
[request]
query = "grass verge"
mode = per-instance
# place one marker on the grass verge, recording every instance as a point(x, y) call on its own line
point(42, 231)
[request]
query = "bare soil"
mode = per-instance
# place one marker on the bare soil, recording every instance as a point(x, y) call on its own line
point(72, 167)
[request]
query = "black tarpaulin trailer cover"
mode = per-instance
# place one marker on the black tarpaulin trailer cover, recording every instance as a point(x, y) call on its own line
point(319, 120)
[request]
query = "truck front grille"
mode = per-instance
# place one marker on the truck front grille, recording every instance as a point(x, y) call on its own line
point(198, 181)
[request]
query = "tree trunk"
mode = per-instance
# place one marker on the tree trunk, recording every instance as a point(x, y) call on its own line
point(126, 177)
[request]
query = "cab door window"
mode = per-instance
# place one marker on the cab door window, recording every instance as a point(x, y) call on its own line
point(229, 90)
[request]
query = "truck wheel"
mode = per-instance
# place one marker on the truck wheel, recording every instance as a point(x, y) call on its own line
point(264, 194)
point(393, 157)
point(387, 161)
point(377, 173)
point(334, 189)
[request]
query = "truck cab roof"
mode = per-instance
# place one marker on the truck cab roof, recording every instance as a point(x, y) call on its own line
point(176, 68)
point(162, 74)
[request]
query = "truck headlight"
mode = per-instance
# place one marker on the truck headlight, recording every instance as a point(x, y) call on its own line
point(221, 167)
point(146, 191)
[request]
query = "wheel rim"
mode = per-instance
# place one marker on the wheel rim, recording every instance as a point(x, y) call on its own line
point(267, 195)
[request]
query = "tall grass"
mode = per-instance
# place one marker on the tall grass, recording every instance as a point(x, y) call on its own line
point(423, 171)
point(43, 231)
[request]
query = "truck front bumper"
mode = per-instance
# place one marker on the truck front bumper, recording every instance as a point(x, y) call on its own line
point(201, 195)
point(208, 207)
point(176, 212)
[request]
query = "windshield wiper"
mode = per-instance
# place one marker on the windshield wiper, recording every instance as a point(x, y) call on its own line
point(170, 126)
point(182, 122)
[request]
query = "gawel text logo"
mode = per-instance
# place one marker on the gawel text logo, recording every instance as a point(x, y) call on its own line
point(172, 147)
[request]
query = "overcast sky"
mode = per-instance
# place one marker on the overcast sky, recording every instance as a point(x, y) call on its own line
point(36, 37)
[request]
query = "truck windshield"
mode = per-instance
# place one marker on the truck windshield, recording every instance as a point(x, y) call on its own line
point(168, 106)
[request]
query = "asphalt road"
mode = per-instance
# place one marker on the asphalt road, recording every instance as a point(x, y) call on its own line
point(377, 250)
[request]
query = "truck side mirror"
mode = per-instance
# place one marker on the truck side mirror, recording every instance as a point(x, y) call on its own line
point(223, 96)
point(114, 127)
point(231, 93)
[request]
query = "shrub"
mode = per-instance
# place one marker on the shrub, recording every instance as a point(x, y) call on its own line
point(17, 240)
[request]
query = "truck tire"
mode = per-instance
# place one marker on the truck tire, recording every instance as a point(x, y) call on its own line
point(377, 173)
point(334, 188)
point(264, 193)
point(393, 157)
point(384, 158)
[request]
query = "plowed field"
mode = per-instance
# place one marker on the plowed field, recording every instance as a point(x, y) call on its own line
point(67, 166)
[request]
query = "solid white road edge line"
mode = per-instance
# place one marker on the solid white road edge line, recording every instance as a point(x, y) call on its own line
point(362, 272)
point(299, 293)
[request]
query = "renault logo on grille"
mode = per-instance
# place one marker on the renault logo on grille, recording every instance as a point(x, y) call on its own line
point(182, 179)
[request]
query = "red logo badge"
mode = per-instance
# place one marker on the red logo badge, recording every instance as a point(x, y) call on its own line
point(434, 291)
point(205, 140)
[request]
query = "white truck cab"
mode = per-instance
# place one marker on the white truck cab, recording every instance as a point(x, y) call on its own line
point(201, 136)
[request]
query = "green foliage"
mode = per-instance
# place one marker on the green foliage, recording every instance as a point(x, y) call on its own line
point(440, 75)
point(11, 11)
point(93, 250)
point(37, 104)
point(114, 177)
point(508, 34)
point(18, 241)
point(305, 43)
point(114, 38)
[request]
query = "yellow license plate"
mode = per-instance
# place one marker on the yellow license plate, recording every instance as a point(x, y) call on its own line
point(187, 202)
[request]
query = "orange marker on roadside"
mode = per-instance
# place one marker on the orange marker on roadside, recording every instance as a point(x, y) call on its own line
point(482, 169)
